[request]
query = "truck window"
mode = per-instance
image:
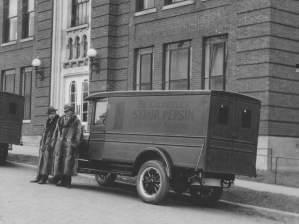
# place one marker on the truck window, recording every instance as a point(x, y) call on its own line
point(101, 112)
point(223, 115)
point(246, 118)
point(12, 108)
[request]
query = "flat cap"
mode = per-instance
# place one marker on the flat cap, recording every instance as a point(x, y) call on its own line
point(51, 109)
point(68, 107)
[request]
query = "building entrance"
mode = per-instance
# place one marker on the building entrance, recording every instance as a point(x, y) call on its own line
point(75, 91)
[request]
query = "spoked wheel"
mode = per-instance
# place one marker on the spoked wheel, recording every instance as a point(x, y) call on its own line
point(3, 153)
point(105, 179)
point(206, 195)
point(152, 182)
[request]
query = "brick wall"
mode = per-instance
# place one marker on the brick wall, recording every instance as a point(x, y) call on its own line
point(109, 36)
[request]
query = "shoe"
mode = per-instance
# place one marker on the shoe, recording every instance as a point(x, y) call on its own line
point(68, 181)
point(54, 180)
point(43, 180)
point(36, 180)
point(61, 181)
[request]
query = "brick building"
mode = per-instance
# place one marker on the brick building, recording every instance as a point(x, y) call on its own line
point(26, 33)
point(246, 46)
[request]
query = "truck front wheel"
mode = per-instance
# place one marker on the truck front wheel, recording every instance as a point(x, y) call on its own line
point(3, 153)
point(152, 182)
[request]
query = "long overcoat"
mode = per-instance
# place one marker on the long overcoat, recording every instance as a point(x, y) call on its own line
point(46, 148)
point(68, 135)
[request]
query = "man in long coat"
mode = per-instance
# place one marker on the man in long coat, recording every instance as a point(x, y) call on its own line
point(68, 134)
point(46, 148)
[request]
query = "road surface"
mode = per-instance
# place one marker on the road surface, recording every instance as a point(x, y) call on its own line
point(22, 202)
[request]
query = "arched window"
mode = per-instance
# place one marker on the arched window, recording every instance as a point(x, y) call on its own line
point(73, 94)
point(70, 49)
point(85, 45)
point(77, 46)
point(84, 102)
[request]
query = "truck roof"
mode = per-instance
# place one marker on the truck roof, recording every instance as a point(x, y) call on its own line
point(132, 93)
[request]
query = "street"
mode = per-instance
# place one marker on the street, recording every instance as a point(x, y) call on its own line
point(22, 202)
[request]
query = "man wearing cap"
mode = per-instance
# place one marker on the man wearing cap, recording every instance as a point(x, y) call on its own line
point(46, 148)
point(68, 132)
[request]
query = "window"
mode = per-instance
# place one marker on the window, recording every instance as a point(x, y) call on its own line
point(12, 108)
point(214, 63)
point(168, 2)
point(77, 47)
point(144, 4)
point(84, 102)
point(28, 18)
point(101, 112)
point(73, 94)
point(223, 115)
point(85, 45)
point(144, 69)
point(177, 65)
point(246, 118)
point(70, 49)
point(27, 91)
point(79, 12)
point(9, 81)
point(10, 20)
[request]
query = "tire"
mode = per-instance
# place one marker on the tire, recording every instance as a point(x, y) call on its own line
point(207, 196)
point(3, 153)
point(152, 182)
point(105, 179)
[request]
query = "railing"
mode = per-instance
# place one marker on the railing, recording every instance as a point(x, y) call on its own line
point(280, 170)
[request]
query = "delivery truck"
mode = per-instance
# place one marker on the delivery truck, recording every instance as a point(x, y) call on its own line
point(11, 119)
point(188, 141)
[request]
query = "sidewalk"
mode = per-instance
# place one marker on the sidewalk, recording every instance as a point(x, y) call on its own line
point(31, 153)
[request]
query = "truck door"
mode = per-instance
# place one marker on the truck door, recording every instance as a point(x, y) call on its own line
point(98, 129)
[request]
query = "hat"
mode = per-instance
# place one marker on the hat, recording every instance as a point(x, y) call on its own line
point(68, 107)
point(51, 109)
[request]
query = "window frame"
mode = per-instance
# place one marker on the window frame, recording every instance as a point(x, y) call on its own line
point(26, 15)
point(6, 36)
point(79, 7)
point(138, 67)
point(24, 72)
point(214, 40)
point(170, 48)
point(3, 79)
point(140, 5)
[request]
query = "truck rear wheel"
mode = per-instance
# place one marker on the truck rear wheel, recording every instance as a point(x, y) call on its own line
point(3, 153)
point(206, 195)
point(105, 179)
point(152, 182)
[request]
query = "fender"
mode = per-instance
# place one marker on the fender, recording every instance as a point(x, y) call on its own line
point(162, 153)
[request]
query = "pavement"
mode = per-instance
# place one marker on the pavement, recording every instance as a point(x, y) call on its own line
point(31, 152)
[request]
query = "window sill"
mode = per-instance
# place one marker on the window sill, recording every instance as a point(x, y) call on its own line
point(146, 11)
point(77, 27)
point(26, 121)
point(26, 39)
point(9, 43)
point(178, 4)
